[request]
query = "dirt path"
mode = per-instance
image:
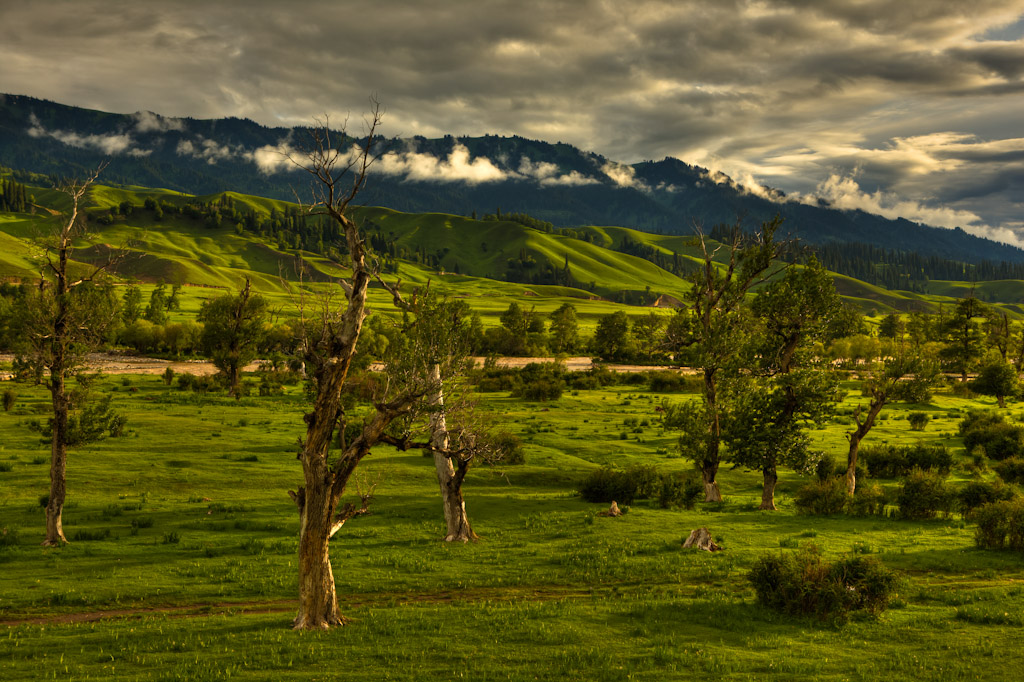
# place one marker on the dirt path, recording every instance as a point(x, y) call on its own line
point(346, 602)
point(109, 363)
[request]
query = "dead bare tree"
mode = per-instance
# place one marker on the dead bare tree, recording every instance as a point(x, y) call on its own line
point(59, 322)
point(338, 166)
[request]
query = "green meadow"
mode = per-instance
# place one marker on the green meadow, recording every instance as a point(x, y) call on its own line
point(183, 548)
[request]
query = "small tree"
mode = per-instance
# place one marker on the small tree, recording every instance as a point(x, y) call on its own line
point(131, 304)
point(964, 337)
point(905, 377)
point(612, 340)
point(996, 377)
point(234, 327)
point(58, 323)
point(564, 329)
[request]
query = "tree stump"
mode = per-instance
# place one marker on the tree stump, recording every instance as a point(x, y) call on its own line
point(612, 510)
point(701, 539)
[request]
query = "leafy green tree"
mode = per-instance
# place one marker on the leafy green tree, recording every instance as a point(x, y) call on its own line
point(771, 404)
point(996, 377)
point(718, 326)
point(891, 327)
point(563, 329)
point(156, 311)
point(905, 376)
point(131, 304)
point(646, 331)
point(232, 332)
point(964, 339)
point(612, 340)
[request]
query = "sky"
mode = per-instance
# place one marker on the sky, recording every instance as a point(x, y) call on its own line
point(911, 108)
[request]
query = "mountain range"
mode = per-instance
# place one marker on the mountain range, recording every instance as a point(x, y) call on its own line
point(553, 182)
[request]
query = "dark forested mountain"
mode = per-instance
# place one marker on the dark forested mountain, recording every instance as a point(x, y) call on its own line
point(557, 183)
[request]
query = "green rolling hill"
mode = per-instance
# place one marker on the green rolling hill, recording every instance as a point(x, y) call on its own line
point(457, 255)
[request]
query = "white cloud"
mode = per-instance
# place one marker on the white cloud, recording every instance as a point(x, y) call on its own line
point(457, 167)
point(273, 158)
point(845, 193)
point(110, 144)
point(546, 174)
point(148, 122)
point(624, 176)
point(206, 150)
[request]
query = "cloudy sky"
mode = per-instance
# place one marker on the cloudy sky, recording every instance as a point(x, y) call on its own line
point(906, 107)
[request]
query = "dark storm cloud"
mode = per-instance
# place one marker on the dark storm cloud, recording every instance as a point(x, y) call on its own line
point(914, 104)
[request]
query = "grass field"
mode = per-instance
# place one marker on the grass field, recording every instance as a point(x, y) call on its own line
point(184, 542)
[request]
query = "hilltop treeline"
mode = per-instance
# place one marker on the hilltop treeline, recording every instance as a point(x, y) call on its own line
point(13, 196)
point(894, 268)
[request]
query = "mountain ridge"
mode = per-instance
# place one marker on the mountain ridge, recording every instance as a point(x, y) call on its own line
point(555, 182)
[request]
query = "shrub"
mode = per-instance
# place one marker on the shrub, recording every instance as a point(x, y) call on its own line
point(10, 399)
point(541, 390)
point(1001, 524)
point(805, 584)
point(888, 461)
point(1011, 470)
point(680, 490)
point(607, 485)
point(979, 493)
point(509, 447)
point(168, 376)
point(646, 479)
point(999, 441)
point(918, 420)
point(979, 419)
point(922, 495)
point(821, 498)
point(868, 500)
point(826, 468)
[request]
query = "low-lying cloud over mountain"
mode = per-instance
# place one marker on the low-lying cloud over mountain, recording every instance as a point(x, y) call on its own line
point(914, 104)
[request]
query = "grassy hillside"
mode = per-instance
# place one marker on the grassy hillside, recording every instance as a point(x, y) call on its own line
point(182, 250)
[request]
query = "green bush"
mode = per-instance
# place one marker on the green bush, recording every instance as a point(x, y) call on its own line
point(805, 584)
point(989, 431)
point(889, 461)
point(918, 420)
point(826, 468)
point(680, 490)
point(868, 500)
point(10, 399)
point(509, 447)
point(979, 493)
point(821, 498)
point(647, 480)
point(168, 376)
point(1001, 525)
point(1011, 470)
point(922, 495)
point(607, 485)
point(541, 390)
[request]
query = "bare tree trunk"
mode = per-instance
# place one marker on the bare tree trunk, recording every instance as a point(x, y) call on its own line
point(711, 491)
point(709, 465)
point(1001, 400)
point(318, 602)
point(771, 477)
point(455, 518)
point(855, 437)
point(58, 466)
